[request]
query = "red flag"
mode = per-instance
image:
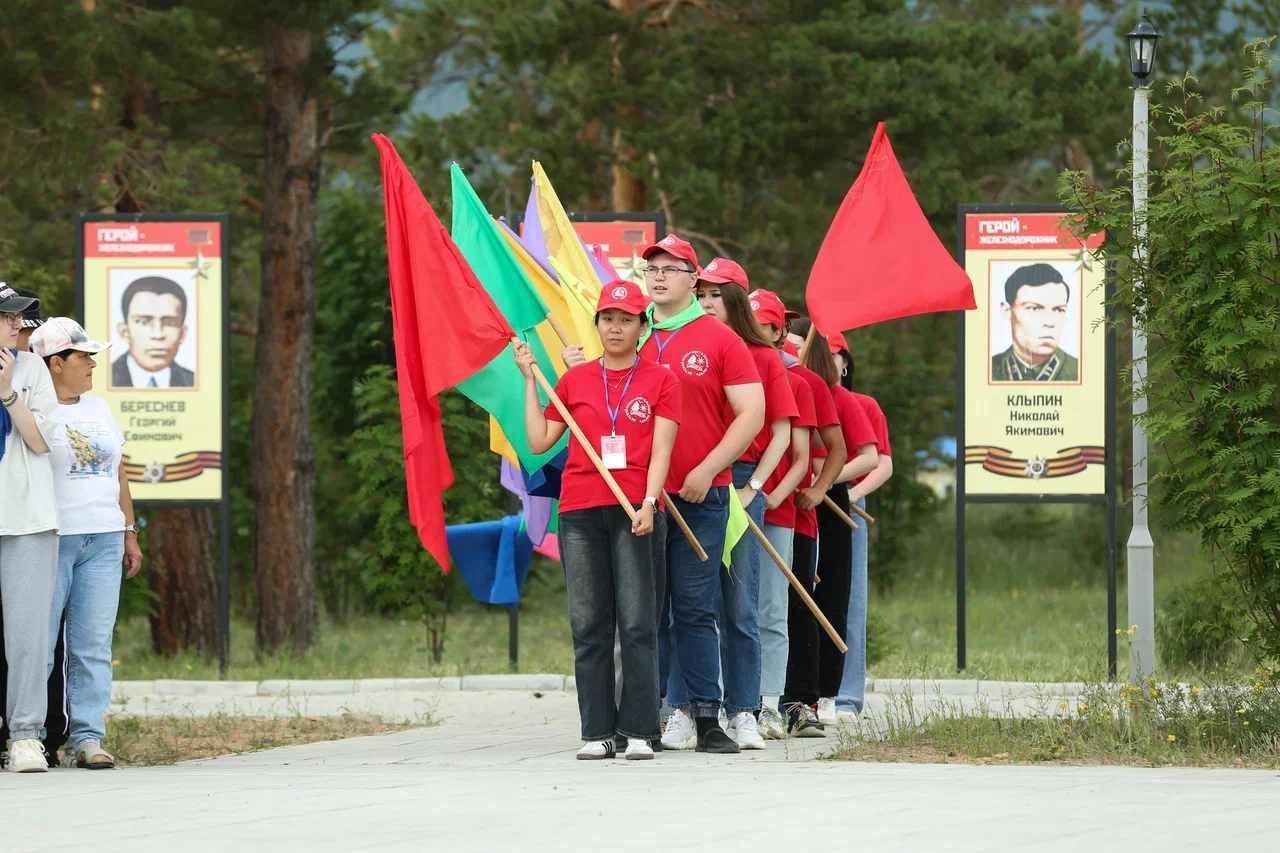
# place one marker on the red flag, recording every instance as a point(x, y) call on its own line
point(445, 327)
point(880, 259)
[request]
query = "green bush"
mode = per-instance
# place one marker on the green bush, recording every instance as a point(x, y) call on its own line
point(1196, 628)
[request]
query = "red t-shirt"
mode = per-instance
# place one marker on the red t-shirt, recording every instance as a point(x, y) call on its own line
point(779, 401)
point(705, 355)
point(854, 424)
point(825, 413)
point(654, 393)
point(879, 425)
point(785, 514)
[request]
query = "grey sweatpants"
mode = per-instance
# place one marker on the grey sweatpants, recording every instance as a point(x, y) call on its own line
point(28, 568)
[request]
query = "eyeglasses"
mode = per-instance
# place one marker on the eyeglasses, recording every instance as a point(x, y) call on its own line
point(11, 318)
point(667, 272)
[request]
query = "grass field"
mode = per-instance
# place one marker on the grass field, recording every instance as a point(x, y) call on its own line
point(148, 741)
point(1036, 611)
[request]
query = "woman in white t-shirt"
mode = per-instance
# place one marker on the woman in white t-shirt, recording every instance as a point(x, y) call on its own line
point(97, 533)
point(28, 532)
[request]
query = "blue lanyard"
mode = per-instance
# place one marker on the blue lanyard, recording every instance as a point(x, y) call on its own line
point(660, 344)
point(613, 411)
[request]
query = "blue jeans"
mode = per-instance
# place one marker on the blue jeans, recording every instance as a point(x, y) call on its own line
point(609, 578)
point(88, 587)
point(853, 685)
point(773, 612)
point(693, 586)
point(736, 607)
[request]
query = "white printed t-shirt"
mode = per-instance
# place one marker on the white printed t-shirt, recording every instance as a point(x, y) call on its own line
point(27, 503)
point(86, 468)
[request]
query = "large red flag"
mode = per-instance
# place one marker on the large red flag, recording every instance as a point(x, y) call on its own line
point(446, 328)
point(880, 259)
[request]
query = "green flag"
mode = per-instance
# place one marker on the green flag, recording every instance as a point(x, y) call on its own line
point(481, 242)
point(498, 388)
point(739, 523)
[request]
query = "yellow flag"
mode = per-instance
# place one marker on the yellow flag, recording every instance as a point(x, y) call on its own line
point(563, 243)
point(577, 320)
point(738, 526)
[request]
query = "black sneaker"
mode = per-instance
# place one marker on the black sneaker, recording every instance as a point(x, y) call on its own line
point(802, 721)
point(716, 742)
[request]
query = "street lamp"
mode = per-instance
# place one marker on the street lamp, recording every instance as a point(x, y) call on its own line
point(1142, 610)
point(1142, 50)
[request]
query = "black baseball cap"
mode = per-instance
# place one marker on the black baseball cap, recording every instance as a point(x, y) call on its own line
point(31, 318)
point(13, 299)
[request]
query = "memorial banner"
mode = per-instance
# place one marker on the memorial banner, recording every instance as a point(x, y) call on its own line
point(1034, 358)
point(156, 288)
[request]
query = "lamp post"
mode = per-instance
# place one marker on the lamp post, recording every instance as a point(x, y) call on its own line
point(1142, 611)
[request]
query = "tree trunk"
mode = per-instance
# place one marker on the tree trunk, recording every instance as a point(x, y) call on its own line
point(184, 577)
point(628, 190)
point(181, 543)
point(283, 456)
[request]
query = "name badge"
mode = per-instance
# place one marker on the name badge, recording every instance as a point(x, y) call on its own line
point(613, 451)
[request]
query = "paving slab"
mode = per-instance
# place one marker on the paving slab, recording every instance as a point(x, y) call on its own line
point(497, 773)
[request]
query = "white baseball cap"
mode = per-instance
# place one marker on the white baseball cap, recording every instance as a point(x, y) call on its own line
point(59, 334)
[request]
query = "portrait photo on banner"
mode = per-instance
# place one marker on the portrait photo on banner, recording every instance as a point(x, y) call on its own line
point(1034, 330)
point(154, 338)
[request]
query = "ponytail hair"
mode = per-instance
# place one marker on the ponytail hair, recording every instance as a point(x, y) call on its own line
point(818, 358)
point(741, 318)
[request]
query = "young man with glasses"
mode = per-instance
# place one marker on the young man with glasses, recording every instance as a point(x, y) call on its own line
point(718, 378)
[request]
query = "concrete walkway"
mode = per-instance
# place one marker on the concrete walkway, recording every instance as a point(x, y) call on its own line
point(498, 774)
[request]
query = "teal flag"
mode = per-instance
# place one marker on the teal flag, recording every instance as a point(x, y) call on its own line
point(498, 387)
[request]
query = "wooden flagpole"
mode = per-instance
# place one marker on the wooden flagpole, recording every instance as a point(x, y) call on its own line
point(797, 586)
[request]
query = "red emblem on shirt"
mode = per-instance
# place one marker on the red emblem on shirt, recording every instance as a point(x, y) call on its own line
point(695, 363)
point(638, 411)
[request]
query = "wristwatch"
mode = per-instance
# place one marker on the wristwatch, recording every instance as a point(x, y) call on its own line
point(754, 484)
point(652, 500)
point(132, 528)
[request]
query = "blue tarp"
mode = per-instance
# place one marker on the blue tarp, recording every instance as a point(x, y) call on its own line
point(493, 557)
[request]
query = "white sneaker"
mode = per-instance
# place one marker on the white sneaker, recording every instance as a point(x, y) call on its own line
point(27, 756)
point(595, 750)
point(827, 711)
point(638, 749)
point(770, 724)
point(723, 720)
point(680, 733)
point(742, 728)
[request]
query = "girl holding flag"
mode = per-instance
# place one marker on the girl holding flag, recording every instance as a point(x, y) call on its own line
point(835, 546)
point(828, 445)
point(630, 409)
point(722, 292)
point(780, 522)
point(853, 684)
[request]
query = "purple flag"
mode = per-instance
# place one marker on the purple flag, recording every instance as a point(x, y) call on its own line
point(533, 239)
point(537, 511)
point(542, 262)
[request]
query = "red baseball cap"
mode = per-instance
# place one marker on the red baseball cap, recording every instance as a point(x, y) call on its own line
point(790, 349)
point(723, 271)
point(625, 295)
point(837, 343)
point(673, 245)
point(767, 307)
